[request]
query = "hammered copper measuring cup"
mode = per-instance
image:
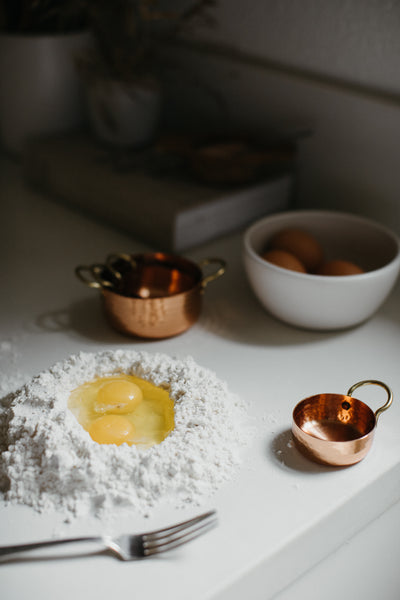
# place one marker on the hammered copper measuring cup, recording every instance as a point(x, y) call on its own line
point(337, 429)
point(151, 295)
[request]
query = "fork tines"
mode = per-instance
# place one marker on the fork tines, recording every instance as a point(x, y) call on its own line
point(168, 538)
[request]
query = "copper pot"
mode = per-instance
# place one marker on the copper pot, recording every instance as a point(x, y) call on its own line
point(154, 295)
point(335, 429)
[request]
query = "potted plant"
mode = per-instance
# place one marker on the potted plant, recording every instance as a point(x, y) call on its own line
point(122, 72)
point(41, 90)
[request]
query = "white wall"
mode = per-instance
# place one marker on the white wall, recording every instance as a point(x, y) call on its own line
point(355, 40)
point(332, 65)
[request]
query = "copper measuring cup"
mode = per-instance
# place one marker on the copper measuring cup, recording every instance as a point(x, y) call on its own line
point(151, 295)
point(335, 429)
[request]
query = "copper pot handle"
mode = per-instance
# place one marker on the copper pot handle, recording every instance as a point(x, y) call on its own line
point(213, 276)
point(90, 275)
point(380, 384)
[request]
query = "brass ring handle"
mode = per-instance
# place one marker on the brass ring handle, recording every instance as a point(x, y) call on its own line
point(81, 271)
point(380, 384)
point(91, 275)
point(97, 271)
point(96, 280)
point(213, 276)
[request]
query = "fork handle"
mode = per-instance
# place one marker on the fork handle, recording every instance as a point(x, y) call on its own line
point(6, 550)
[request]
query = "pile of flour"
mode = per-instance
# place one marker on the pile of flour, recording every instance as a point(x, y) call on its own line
point(48, 461)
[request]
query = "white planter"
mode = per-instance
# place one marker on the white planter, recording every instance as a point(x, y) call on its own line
point(41, 92)
point(123, 115)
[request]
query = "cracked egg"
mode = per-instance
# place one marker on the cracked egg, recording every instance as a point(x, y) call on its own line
point(123, 409)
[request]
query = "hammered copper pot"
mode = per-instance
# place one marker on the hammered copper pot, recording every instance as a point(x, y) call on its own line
point(336, 429)
point(153, 295)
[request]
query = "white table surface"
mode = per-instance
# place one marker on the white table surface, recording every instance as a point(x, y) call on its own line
point(282, 515)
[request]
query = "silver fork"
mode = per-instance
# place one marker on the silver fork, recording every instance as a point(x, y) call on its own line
point(131, 547)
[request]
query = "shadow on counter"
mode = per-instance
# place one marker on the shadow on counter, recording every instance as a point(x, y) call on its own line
point(86, 319)
point(226, 318)
point(285, 454)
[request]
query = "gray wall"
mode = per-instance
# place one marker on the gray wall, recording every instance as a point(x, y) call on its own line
point(333, 66)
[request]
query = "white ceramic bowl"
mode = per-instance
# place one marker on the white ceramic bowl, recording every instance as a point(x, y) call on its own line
point(324, 302)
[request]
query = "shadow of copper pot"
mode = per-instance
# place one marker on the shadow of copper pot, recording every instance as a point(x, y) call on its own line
point(153, 295)
point(336, 429)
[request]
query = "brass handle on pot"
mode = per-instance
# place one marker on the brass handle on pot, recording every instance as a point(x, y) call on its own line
point(380, 384)
point(91, 276)
point(213, 276)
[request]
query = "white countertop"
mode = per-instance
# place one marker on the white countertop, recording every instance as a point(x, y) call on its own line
point(282, 514)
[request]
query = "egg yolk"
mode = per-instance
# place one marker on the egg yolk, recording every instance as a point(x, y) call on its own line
point(118, 397)
point(111, 429)
point(123, 409)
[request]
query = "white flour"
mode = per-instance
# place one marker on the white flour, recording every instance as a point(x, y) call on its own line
point(9, 356)
point(49, 461)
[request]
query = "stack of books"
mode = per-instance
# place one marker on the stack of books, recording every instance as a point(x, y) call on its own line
point(168, 210)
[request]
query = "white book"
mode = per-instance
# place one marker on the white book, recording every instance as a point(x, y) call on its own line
point(166, 212)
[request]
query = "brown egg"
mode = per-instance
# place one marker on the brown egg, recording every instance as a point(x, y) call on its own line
point(301, 244)
point(339, 267)
point(284, 259)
